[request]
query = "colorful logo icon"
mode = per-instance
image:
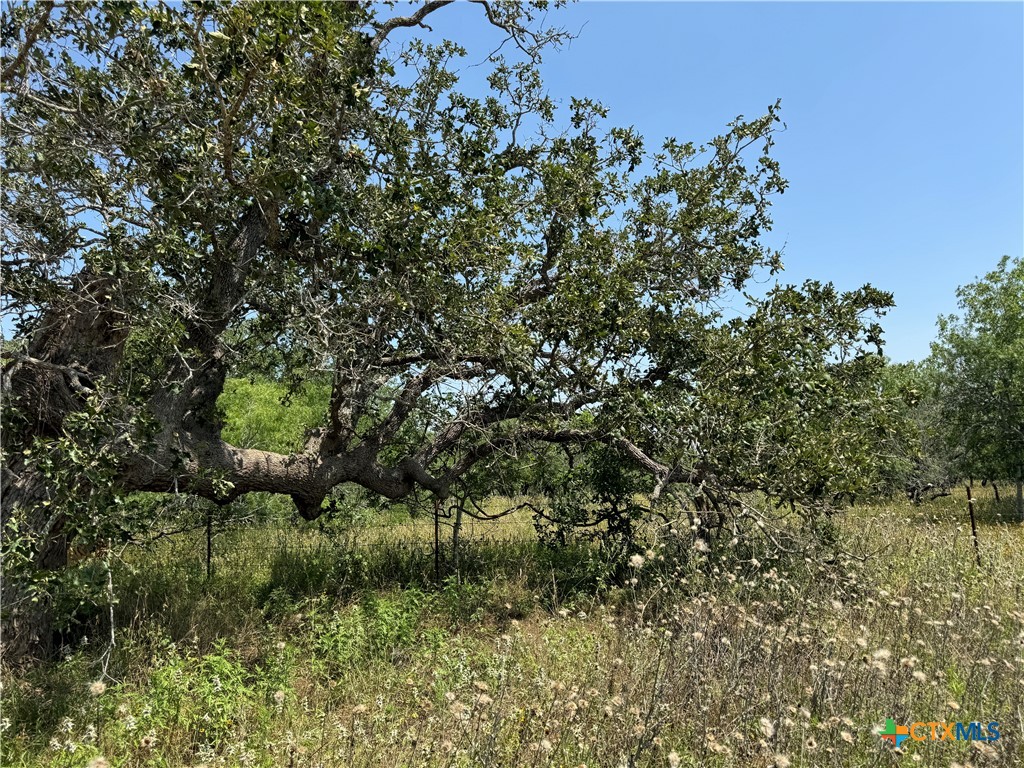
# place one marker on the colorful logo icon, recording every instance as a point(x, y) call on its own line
point(894, 733)
point(936, 731)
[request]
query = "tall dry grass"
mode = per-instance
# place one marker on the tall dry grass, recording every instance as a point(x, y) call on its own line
point(319, 648)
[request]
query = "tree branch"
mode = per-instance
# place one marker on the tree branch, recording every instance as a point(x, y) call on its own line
point(214, 469)
point(31, 35)
point(73, 373)
point(416, 20)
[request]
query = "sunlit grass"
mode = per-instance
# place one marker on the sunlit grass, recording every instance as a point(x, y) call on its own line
point(313, 647)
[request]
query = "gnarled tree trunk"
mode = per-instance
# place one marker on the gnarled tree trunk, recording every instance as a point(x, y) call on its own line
point(79, 340)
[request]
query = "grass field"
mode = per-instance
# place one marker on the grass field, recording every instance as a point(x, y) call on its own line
point(320, 648)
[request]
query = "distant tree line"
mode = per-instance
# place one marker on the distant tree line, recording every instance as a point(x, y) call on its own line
point(964, 404)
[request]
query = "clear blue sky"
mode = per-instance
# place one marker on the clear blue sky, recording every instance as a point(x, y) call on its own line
point(905, 140)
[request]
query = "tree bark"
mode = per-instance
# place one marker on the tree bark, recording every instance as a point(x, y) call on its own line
point(28, 622)
point(80, 339)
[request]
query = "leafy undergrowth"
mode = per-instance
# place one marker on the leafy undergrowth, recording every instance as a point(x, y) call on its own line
point(309, 649)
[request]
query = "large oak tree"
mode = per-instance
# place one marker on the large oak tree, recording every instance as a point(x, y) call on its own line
point(190, 187)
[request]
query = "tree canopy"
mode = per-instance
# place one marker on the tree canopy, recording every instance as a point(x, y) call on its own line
point(979, 362)
point(200, 190)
